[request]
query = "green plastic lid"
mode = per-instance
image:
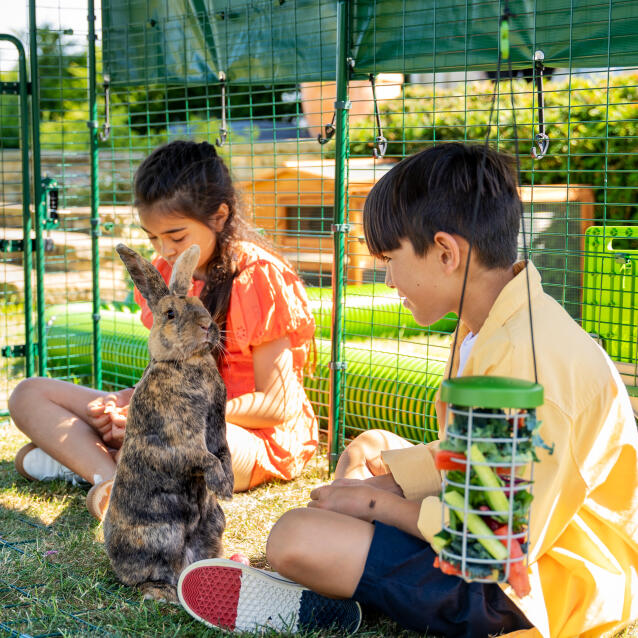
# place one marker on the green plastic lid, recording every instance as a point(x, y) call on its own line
point(492, 392)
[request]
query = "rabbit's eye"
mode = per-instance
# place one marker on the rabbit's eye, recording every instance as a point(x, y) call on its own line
point(170, 314)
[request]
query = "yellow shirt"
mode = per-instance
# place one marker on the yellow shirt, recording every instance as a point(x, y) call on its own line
point(583, 555)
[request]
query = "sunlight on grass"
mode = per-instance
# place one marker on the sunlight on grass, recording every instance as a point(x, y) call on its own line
point(56, 578)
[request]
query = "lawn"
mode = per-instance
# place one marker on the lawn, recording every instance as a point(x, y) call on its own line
point(55, 578)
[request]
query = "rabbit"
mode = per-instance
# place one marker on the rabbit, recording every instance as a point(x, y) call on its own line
point(174, 462)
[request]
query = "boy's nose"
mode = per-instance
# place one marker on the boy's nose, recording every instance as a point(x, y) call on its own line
point(388, 278)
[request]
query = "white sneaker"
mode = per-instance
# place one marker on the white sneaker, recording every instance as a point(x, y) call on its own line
point(36, 465)
point(223, 593)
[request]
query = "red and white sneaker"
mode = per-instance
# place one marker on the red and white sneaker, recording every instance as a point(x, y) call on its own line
point(224, 593)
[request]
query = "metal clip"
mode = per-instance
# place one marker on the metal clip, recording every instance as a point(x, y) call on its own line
point(340, 228)
point(329, 131)
point(223, 132)
point(380, 142)
point(105, 132)
point(541, 138)
point(338, 365)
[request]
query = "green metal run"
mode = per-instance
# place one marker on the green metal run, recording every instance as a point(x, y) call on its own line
point(163, 61)
point(26, 201)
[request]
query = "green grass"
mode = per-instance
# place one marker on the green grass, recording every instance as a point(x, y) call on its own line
point(55, 579)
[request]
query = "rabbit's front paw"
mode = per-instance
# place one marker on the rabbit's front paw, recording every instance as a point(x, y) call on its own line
point(216, 479)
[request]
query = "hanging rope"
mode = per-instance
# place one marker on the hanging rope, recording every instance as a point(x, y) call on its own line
point(504, 54)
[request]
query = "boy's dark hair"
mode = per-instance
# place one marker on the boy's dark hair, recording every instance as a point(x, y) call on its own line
point(435, 190)
point(190, 179)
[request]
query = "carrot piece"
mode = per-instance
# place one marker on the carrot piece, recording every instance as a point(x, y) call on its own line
point(448, 460)
point(518, 578)
point(446, 568)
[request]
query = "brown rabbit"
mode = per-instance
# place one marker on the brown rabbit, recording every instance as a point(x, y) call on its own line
point(163, 514)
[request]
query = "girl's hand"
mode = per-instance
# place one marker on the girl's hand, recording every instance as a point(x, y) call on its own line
point(107, 414)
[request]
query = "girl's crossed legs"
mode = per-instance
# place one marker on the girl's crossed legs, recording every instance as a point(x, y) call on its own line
point(56, 417)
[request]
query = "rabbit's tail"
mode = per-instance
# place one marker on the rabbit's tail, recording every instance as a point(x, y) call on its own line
point(164, 592)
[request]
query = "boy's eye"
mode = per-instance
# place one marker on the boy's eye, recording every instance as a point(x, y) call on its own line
point(170, 314)
point(176, 240)
point(385, 259)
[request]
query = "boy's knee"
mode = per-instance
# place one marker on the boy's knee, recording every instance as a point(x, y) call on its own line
point(286, 542)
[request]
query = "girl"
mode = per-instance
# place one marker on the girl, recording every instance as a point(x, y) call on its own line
point(184, 195)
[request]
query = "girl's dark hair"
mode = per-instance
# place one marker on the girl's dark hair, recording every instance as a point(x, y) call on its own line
point(435, 190)
point(190, 179)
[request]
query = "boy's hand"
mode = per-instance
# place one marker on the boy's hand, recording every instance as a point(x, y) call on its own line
point(382, 482)
point(369, 504)
point(357, 500)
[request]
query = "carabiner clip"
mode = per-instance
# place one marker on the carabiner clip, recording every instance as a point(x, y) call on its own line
point(105, 132)
point(329, 130)
point(380, 142)
point(541, 139)
point(223, 133)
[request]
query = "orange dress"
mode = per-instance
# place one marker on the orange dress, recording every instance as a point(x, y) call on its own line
point(267, 302)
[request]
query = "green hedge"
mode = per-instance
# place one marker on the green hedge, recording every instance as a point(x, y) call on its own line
point(592, 124)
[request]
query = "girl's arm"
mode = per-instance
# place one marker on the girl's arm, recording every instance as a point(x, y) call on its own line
point(278, 393)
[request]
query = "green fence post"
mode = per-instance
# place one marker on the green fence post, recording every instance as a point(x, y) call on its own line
point(95, 201)
point(38, 192)
point(337, 366)
point(26, 198)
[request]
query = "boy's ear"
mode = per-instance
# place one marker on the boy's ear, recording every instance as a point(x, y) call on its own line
point(218, 220)
point(450, 250)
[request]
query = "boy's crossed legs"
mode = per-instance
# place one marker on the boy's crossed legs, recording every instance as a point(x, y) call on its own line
point(337, 548)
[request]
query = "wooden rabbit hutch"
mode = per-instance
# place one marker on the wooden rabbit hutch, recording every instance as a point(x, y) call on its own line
point(294, 205)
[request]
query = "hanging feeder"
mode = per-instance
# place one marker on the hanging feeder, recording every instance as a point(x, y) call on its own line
point(488, 452)
point(486, 459)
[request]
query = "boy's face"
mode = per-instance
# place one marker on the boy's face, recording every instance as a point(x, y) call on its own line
point(428, 283)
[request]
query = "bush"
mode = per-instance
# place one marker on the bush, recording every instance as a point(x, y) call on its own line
point(592, 125)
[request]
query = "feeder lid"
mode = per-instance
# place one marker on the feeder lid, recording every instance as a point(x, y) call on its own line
point(492, 392)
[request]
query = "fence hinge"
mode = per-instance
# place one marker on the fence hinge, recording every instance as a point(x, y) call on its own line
point(12, 352)
point(17, 245)
point(338, 365)
point(13, 88)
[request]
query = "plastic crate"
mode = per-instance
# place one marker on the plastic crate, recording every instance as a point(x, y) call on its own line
point(610, 295)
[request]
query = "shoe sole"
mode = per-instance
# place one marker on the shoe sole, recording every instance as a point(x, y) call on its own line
point(18, 462)
point(225, 594)
point(95, 497)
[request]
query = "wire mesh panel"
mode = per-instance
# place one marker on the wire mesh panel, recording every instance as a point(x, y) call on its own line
point(265, 81)
point(15, 313)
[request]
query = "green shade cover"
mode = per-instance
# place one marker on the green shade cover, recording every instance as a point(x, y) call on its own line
point(492, 392)
point(269, 42)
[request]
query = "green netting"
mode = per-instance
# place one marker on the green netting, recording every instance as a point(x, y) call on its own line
point(182, 41)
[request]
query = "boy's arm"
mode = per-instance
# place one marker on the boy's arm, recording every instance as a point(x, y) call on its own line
point(369, 504)
point(414, 471)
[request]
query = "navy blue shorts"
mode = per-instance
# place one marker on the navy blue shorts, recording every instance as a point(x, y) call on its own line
point(400, 581)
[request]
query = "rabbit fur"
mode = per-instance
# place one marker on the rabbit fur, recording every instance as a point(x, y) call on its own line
point(174, 462)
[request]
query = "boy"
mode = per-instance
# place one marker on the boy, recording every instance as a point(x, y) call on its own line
point(366, 536)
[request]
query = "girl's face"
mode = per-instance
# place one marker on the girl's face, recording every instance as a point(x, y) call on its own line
point(171, 234)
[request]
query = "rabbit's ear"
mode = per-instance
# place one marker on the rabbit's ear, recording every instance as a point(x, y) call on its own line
point(183, 269)
point(144, 275)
